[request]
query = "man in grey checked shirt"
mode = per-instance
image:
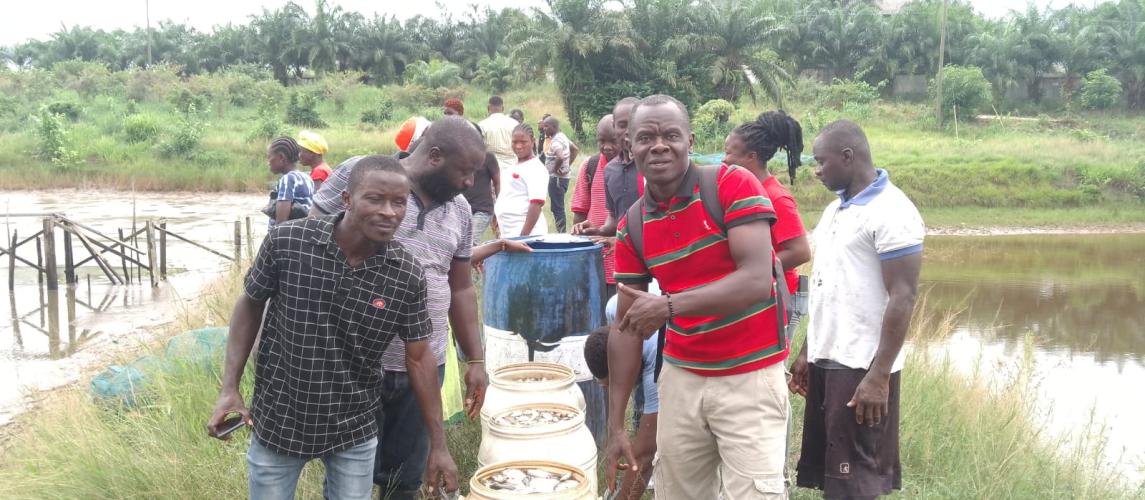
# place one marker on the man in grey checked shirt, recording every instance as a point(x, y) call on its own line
point(437, 231)
point(342, 291)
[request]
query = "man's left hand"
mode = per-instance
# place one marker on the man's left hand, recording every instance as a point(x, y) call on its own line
point(476, 381)
point(608, 242)
point(646, 314)
point(440, 471)
point(870, 399)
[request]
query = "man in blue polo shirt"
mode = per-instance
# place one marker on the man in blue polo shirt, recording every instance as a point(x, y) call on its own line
point(868, 253)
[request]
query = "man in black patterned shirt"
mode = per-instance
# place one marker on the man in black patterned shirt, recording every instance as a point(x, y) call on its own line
point(342, 290)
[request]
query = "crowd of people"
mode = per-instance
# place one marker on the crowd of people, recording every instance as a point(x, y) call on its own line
point(350, 308)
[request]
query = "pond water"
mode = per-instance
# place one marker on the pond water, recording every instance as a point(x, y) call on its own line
point(37, 353)
point(1076, 303)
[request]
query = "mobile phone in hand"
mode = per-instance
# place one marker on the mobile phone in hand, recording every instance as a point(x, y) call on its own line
point(230, 425)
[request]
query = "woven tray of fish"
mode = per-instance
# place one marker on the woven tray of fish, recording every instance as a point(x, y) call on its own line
point(533, 417)
point(530, 481)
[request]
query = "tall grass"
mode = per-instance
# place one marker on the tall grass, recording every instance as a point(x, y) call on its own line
point(959, 438)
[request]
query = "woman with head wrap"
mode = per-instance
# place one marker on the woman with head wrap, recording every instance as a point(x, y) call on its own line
point(313, 148)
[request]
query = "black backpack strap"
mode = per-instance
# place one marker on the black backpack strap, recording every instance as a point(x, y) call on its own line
point(635, 226)
point(590, 169)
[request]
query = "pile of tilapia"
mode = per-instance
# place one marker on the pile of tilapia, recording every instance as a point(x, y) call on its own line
point(533, 417)
point(529, 481)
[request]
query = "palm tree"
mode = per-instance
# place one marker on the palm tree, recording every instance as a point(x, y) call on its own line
point(324, 45)
point(434, 74)
point(1122, 40)
point(497, 73)
point(385, 49)
point(277, 39)
point(1035, 48)
point(577, 39)
point(738, 38)
point(990, 51)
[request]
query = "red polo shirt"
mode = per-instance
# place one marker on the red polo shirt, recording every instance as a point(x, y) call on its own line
point(685, 249)
point(787, 226)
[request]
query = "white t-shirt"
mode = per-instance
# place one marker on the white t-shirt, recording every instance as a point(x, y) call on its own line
point(524, 183)
point(848, 295)
point(498, 132)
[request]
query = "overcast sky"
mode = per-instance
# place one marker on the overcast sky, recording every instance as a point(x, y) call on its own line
point(24, 19)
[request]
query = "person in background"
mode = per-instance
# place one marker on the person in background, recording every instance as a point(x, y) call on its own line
point(497, 129)
point(335, 291)
point(722, 424)
point(453, 107)
point(559, 156)
point(588, 201)
point(751, 146)
point(292, 194)
point(311, 155)
point(410, 131)
point(519, 206)
point(623, 184)
point(868, 255)
point(482, 196)
point(518, 115)
point(542, 141)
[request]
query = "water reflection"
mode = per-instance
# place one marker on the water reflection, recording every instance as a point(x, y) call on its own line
point(1081, 294)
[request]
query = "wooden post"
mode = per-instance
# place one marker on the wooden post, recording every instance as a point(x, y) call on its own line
point(123, 260)
point(12, 262)
point(53, 323)
point(163, 250)
point(89, 289)
point(238, 243)
point(39, 262)
point(941, 62)
point(71, 298)
point(69, 260)
point(50, 254)
point(249, 242)
point(151, 257)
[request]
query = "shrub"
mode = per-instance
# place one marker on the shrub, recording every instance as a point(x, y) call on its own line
point(497, 73)
point(715, 110)
point(840, 93)
point(338, 87)
point(382, 111)
point(153, 83)
point(964, 89)
point(53, 143)
point(301, 110)
point(185, 136)
point(1100, 91)
point(141, 128)
point(86, 78)
point(185, 100)
point(65, 109)
point(433, 74)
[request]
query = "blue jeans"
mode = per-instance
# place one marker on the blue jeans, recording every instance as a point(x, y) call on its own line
point(558, 186)
point(403, 443)
point(274, 476)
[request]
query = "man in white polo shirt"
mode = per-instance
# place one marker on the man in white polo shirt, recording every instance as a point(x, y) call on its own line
point(868, 253)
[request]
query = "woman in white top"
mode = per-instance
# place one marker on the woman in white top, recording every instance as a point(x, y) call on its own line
point(523, 191)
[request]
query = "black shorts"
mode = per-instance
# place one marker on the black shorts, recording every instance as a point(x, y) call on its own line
point(844, 459)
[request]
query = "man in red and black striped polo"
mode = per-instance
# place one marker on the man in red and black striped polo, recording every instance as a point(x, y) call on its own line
point(723, 407)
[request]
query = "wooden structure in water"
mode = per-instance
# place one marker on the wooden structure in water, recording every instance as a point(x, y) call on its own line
point(104, 251)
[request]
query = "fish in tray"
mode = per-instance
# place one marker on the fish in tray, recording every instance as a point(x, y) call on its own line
point(530, 481)
point(533, 417)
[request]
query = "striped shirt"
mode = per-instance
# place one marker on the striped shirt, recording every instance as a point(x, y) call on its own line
point(589, 200)
point(684, 249)
point(436, 236)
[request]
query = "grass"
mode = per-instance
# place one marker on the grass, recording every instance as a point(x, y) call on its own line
point(959, 439)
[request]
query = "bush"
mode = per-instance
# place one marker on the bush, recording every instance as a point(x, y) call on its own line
point(186, 101)
point(840, 93)
point(141, 128)
point(153, 83)
point(53, 144)
point(383, 111)
point(185, 136)
point(301, 110)
point(1100, 91)
point(715, 110)
point(65, 109)
point(965, 90)
point(433, 74)
point(497, 73)
point(86, 78)
point(338, 87)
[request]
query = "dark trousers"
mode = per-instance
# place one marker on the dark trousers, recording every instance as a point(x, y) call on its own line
point(403, 443)
point(558, 186)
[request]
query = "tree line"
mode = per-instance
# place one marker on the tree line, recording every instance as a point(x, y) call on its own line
point(598, 49)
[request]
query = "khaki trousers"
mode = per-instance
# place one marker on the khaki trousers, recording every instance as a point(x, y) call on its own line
point(721, 437)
